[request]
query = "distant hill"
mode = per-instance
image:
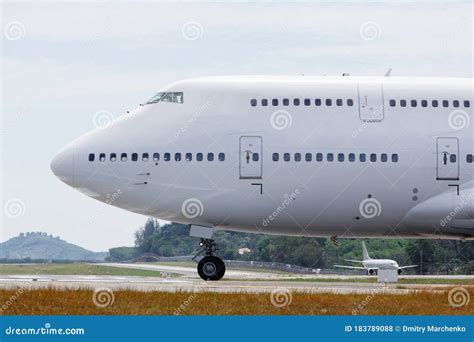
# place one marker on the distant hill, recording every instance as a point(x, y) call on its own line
point(40, 245)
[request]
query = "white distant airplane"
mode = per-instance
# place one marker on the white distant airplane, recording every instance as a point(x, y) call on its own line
point(289, 155)
point(372, 266)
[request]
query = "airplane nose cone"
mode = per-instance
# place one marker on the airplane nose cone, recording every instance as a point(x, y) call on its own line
point(62, 166)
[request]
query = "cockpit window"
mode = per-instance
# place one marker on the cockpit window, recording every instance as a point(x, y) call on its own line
point(174, 97)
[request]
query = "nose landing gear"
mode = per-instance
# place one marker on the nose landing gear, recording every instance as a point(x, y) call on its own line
point(210, 267)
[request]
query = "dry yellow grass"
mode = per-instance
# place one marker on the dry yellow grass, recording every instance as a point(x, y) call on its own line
point(126, 302)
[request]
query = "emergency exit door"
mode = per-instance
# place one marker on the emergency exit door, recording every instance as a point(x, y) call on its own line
point(371, 107)
point(250, 164)
point(447, 154)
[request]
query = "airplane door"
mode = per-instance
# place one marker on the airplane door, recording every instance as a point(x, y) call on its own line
point(250, 164)
point(371, 106)
point(447, 152)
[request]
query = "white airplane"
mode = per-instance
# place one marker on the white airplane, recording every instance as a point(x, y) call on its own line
point(289, 155)
point(372, 266)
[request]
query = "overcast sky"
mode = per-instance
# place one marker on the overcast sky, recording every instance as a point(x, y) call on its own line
point(64, 62)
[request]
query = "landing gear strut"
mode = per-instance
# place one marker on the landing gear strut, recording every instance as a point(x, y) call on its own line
point(210, 267)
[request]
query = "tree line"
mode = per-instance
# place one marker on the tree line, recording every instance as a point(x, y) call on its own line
point(172, 239)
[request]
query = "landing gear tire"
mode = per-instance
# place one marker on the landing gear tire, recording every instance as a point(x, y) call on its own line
point(211, 268)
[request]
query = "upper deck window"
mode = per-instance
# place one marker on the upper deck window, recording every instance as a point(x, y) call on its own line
point(174, 97)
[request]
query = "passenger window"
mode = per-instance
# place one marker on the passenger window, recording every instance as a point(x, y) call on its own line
point(373, 157)
point(145, 157)
point(307, 102)
point(296, 102)
point(392, 103)
point(167, 156)
point(452, 158)
point(350, 102)
point(330, 157)
point(221, 156)
point(328, 102)
point(134, 156)
point(253, 102)
point(286, 102)
point(383, 157)
point(210, 156)
point(286, 157)
point(467, 104)
point(156, 156)
point(189, 156)
point(91, 157)
point(403, 103)
point(413, 103)
point(434, 103)
point(199, 157)
point(424, 103)
point(275, 102)
point(352, 157)
point(445, 103)
point(255, 157)
point(113, 157)
point(456, 103)
point(317, 102)
point(102, 157)
point(469, 158)
point(339, 102)
point(362, 157)
point(123, 157)
point(177, 156)
point(275, 156)
point(308, 157)
point(394, 157)
point(297, 157)
point(264, 102)
point(319, 157)
point(340, 157)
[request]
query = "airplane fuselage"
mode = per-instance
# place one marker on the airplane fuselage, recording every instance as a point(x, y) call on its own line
point(303, 156)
